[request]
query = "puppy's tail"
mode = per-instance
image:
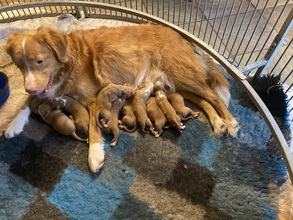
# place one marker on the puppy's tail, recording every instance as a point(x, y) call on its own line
point(217, 81)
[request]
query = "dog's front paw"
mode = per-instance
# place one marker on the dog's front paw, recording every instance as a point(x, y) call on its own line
point(220, 127)
point(13, 130)
point(17, 124)
point(233, 127)
point(96, 157)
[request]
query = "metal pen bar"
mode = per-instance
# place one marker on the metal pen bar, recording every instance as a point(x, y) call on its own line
point(190, 15)
point(179, 13)
point(223, 15)
point(185, 12)
point(196, 14)
point(280, 58)
point(243, 37)
point(277, 43)
point(273, 28)
point(262, 32)
point(289, 87)
point(241, 24)
point(290, 74)
point(202, 17)
point(208, 20)
point(213, 25)
point(224, 32)
point(281, 72)
point(174, 11)
point(163, 9)
point(254, 30)
point(235, 20)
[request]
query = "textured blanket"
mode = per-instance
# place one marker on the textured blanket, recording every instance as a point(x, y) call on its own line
point(187, 175)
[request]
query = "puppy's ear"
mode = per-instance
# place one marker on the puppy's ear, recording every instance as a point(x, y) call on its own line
point(56, 41)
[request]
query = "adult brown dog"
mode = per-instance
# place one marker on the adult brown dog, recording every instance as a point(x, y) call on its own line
point(80, 63)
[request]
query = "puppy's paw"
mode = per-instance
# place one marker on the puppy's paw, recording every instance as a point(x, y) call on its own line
point(220, 127)
point(96, 157)
point(233, 127)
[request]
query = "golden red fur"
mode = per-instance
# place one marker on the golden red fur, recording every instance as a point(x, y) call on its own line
point(79, 64)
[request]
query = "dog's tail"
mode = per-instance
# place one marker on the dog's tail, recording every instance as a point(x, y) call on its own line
point(217, 81)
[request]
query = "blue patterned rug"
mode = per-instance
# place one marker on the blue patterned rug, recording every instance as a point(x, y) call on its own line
point(187, 175)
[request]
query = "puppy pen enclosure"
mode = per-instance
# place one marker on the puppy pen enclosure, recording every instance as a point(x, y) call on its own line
point(250, 38)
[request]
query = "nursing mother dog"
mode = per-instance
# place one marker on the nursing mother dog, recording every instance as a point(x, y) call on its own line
point(81, 63)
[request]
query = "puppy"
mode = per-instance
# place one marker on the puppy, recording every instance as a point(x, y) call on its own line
point(167, 109)
point(128, 121)
point(177, 102)
point(156, 116)
point(58, 120)
point(106, 97)
point(112, 125)
point(77, 111)
point(140, 98)
point(79, 64)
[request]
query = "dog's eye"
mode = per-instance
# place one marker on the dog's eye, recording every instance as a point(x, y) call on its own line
point(40, 62)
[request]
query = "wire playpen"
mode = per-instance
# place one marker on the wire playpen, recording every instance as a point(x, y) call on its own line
point(250, 38)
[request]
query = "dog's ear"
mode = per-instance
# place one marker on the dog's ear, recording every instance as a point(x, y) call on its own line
point(11, 42)
point(56, 41)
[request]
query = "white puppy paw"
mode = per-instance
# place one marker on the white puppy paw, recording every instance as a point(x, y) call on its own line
point(96, 157)
point(17, 124)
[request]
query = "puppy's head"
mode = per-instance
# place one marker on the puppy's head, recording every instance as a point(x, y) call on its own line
point(39, 54)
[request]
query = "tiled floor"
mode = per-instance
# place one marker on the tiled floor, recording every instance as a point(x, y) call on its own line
point(213, 22)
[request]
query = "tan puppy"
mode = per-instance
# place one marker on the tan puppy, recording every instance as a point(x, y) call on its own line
point(58, 120)
point(156, 116)
point(79, 113)
point(112, 124)
point(167, 109)
point(106, 97)
point(177, 102)
point(128, 121)
point(35, 103)
point(140, 97)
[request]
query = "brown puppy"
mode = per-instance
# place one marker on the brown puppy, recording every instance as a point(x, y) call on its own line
point(167, 109)
point(112, 124)
point(79, 113)
point(58, 120)
point(128, 121)
point(156, 116)
point(35, 103)
point(140, 97)
point(79, 64)
point(106, 97)
point(177, 102)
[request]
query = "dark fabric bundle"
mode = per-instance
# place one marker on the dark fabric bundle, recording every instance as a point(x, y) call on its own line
point(270, 89)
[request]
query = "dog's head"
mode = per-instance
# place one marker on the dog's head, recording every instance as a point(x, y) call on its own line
point(39, 54)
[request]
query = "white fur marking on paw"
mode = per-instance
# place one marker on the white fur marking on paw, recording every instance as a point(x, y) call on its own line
point(17, 124)
point(96, 157)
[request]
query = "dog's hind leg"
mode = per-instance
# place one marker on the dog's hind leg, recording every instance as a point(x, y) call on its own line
point(96, 154)
point(219, 125)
